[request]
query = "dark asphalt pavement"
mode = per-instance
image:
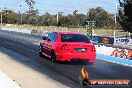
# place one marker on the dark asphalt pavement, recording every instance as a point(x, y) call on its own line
point(99, 70)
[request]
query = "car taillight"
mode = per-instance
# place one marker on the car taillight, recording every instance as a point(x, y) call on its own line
point(93, 48)
point(64, 47)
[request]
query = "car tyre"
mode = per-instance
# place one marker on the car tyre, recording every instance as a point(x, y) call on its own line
point(40, 51)
point(53, 57)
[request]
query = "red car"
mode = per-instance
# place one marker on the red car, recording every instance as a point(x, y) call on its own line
point(66, 46)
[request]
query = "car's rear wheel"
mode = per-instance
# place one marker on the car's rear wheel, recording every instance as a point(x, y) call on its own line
point(53, 57)
point(40, 51)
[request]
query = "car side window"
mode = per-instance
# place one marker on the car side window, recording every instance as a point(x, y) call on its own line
point(50, 36)
point(53, 37)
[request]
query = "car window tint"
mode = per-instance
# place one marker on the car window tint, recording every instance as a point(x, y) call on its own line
point(53, 37)
point(74, 38)
point(49, 36)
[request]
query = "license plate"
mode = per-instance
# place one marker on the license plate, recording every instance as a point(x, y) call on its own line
point(80, 49)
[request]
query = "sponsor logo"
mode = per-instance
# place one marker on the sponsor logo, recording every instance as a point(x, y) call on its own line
point(105, 40)
point(85, 81)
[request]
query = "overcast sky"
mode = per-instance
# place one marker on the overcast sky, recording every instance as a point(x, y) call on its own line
point(54, 6)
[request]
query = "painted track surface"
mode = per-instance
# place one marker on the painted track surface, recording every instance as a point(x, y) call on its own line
point(99, 70)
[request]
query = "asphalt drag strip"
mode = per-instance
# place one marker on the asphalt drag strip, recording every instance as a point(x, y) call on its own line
point(99, 70)
point(29, 73)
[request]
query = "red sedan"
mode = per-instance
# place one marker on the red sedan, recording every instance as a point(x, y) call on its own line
point(67, 46)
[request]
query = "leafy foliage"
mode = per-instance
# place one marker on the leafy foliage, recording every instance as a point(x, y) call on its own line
point(125, 14)
point(102, 18)
point(30, 3)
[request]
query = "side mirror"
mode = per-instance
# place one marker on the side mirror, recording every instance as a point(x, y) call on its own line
point(44, 38)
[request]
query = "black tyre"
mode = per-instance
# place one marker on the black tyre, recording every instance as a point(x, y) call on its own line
point(53, 57)
point(40, 51)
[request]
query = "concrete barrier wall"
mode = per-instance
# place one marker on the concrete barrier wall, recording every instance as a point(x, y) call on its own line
point(115, 52)
point(115, 60)
point(17, 30)
point(114, 55)
point(27, 31)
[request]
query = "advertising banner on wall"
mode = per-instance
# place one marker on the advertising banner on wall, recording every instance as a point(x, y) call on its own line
point(102, 39)
point(106, 40)
point(123, 42)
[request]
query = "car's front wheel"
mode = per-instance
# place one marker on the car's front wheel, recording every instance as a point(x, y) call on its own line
point(53, 57)
point(40, 51)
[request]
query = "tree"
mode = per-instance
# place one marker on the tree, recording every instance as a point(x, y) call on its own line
point(75, 12)
point(30, 3)
point(125, 14)
point(33, 12)
point(32, 16)
point(102, 18)
point(9, 16)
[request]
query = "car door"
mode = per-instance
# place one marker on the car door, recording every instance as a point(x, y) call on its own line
point(51, 40)
point(44, 46)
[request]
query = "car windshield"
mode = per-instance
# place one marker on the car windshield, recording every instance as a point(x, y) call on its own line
point(74, 38)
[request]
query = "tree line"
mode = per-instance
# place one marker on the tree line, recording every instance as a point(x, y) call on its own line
point(102, 18)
